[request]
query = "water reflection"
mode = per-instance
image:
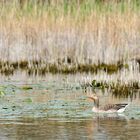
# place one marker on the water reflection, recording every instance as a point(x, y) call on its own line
point(45, 129)
point(107, 128)
point(117, 128)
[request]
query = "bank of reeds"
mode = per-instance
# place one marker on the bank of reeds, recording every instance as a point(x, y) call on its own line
point(117, 88)
point(40, 68)
point(72, 33)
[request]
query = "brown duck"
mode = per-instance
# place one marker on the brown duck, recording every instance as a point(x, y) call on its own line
point(109, 108)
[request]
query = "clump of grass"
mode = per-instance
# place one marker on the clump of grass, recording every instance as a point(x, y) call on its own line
point(118, 89)
point(118, 84)
point(121, 90)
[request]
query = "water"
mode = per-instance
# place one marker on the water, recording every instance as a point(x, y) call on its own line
point(56, 107)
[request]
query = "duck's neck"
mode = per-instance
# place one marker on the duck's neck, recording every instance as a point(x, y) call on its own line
point(96, 103)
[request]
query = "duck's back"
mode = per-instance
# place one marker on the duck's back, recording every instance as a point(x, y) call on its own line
point(115, 107)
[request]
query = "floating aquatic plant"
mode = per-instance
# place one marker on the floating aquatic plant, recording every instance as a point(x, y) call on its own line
point(28, 100)
point(26, 87)
point(2, 91)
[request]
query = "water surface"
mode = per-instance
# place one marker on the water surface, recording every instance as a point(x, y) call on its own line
point(56, 107)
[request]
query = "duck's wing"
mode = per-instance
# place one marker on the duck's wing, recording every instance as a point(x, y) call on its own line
point(113, 107)
point(119, 106)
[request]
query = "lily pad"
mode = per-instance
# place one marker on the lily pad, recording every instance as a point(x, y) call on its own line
point(2, 93)
point(28, 100)
point(26, 88)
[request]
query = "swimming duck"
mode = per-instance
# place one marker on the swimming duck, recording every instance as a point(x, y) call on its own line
point(109, 108)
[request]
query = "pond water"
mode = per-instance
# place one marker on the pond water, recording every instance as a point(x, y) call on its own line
point(56, 107)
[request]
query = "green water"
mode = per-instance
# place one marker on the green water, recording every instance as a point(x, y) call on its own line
point(56, 107)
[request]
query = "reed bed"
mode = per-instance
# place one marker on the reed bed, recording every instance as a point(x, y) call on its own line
point(71, 34)
point(123, 84)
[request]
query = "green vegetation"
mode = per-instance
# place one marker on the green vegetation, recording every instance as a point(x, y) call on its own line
point(26, 88)
point(118, 88)
point(28, 100)
point(2, 91)
point(86, 7)
point(38, 67)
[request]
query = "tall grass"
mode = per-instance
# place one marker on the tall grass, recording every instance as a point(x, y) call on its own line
point(79, 32)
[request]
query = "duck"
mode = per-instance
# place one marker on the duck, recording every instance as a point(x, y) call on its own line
point(108, 108)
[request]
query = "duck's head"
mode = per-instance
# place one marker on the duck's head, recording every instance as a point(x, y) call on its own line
point(94, 97)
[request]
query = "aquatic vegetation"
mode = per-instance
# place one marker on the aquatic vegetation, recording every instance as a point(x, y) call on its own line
point(2, 91)
point(40, 68)
point(28, 100)
point(138, 113)
point(117, 89)
point(100, 85)
point(122, 90)
point(26, 87)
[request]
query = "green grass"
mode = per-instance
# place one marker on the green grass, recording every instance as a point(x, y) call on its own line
point(87, 7)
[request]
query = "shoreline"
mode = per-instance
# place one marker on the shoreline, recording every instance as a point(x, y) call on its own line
point(42, 68)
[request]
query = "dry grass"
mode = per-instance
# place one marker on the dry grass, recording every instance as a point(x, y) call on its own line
point(55, 34)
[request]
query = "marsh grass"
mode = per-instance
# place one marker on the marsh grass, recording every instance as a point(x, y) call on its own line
point(69, 36)
point(117, 88)
point(40, 68)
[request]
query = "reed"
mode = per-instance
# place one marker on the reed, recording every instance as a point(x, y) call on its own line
point(69, 32)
